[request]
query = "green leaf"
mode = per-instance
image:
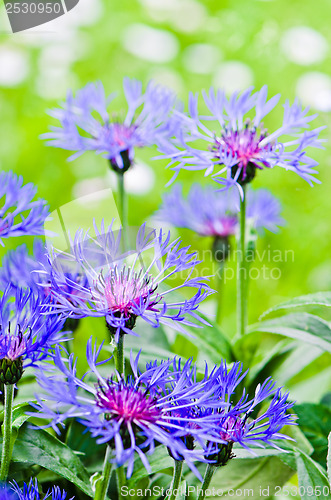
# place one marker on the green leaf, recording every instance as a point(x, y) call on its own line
point(212, 341)
point(159, 461)
point(37, 446)
point(19, 414)
point(241, 454)
point(296, 362)
point(313, 483)
point(251, 478)
point(319, 298)
point(184, 346)
point(266, 358)
point(301, 326)
point(315, 422)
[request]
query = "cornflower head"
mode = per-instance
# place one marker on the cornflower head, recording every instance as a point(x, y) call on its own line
point(132, 415)
point(86, 125)
point(27, 333)
point(213, 213)
point(238, 145)
point(251, 423)
point(263, 211)
point(123, 286)
point(19, 214)
point(30, 491)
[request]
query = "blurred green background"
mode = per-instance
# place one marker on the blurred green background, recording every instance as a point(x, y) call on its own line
point(186, 45)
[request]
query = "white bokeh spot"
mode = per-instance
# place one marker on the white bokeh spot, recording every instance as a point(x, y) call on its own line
point(151, 44)
point(314, 89)
point(14, 66)
point(233, 75)
point(201, 58)
point(304, 45)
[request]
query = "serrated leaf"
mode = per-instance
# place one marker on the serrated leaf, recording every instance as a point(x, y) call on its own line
point(36, 446)
point(319, 298)
point(301, 326)
point(313, 483)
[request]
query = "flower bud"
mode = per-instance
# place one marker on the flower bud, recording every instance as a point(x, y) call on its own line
point(221, 454)
point(11, 370)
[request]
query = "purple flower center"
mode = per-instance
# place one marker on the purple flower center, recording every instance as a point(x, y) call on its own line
point(224, 226)
point(127, 404)
point(243, 145)
point(122, 134)
point(230, 429)
point(13, 346)
point(124, 289)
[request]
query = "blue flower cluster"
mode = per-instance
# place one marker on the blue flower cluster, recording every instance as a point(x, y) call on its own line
point(29, 491)
point(199, 417)
point(164, 405)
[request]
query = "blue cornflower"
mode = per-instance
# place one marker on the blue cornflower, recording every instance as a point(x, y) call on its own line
point(209, 212)
point(31, 492)
point(205, 211)
point(85, 123)
point(133, 414)
point(240, 145)
point(19, 215)
point(238, 419)
point(263, 211)
point(125, 285)
point(255, 422)
point(27, 333)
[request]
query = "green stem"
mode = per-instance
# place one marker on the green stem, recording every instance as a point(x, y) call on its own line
point(210, 469)
point(178, 467)
point(219, 288)
point(120, 367)
point(103, 484)
point(242, 271)
point(7, 432)
point(119, 355)
point(123, 209)
point(121, 480)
